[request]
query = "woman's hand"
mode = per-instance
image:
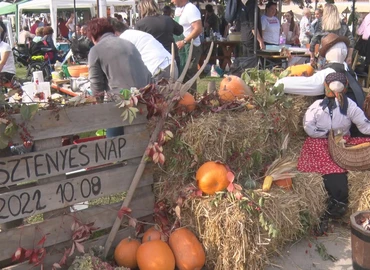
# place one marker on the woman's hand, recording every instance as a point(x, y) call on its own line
point(180, 44)
point(349, 61)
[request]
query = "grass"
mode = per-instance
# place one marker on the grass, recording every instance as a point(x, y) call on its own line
point(21, 72)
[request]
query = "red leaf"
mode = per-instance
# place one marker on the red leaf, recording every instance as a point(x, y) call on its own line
point(34, 258)
point(56, 265)
point(18, 254)
point(124, 211)
point(230, 187)
point(180, 201)
point(309, 244)
point(238, 195)
point(42, 240)
point(28, 253)
point(71, 251)
point(64, 258)
point(132, 222)
point(80, 247)
point(198, 193)
point(139, 228)
point(230, 176)
point(238, 187)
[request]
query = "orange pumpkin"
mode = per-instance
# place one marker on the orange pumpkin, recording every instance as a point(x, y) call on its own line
point(233, 87)
point(151, 234)
point(284, 183)
point(155, 255)
point(301, 70)
point(187, 103)
point(212, 177)
point(125, 252)
point(188, 251)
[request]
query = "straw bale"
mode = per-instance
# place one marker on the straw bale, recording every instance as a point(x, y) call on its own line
point(233, 232)
point(235, 238)
point(359, 191)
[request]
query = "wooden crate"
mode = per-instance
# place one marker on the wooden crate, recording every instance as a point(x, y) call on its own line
point(43, 182)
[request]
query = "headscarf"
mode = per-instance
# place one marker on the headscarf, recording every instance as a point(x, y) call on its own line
point(336, 91)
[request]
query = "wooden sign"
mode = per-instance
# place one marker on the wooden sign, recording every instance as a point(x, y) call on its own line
point(38, 165)
point(39, 199)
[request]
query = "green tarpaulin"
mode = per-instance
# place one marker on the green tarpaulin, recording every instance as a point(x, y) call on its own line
point(10, 9)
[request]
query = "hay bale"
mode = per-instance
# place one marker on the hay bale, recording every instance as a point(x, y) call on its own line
point(241, 234)
point(236, 235)
point(359, 191)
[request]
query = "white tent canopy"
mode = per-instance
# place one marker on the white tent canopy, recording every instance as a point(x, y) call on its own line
point(54, 5)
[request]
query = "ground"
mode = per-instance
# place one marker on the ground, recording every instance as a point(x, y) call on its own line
point(303, 254)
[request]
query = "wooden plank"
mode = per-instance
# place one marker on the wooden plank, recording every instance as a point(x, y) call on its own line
point(55, 195)
point(50, 259)
point(59, 228)
point(74, 120)
point(44, 145)
point(39, 165)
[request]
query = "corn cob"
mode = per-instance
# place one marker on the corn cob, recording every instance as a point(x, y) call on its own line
point(359, 146)
point(267, 182)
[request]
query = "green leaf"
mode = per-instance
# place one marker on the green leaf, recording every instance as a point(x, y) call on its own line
point(124, 115)
point(28, 111)
point(33, 109)
point(126, 94)
point(261, 201)
point(132, 114)
point(10, 130)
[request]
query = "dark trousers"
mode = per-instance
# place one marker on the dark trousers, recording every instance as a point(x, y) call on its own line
point(6, 77)
point(336, 185)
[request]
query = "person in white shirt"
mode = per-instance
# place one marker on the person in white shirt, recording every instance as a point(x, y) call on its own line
point(188, 15)
point(24, 35)
point(270, 25)
point(7, 66)
point(155, 57)
point(305, 28)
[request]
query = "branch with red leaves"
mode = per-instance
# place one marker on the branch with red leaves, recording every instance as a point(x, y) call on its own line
point(80, 232)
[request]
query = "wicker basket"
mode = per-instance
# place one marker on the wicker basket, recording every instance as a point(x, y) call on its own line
point(347, 158)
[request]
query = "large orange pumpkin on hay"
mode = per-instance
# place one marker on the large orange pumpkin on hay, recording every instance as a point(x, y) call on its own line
point(301, 70)
point(155, 255)
point(151, 234)
point(125, 252)
point(188, 251)
point(233, 87)
point(212, 177)
point(186, 103)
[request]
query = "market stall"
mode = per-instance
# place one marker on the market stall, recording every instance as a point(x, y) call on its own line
point(53, 6)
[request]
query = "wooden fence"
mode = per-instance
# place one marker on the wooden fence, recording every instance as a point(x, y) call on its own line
point(45, 181)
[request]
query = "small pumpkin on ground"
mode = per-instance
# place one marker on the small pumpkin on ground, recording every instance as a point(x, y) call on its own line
point(155, 255)
point(186, 103)
point(151, 234)
point(125, 252)
point(233, 87)
point(212, 177)
point(301, 70)
point(188, 251)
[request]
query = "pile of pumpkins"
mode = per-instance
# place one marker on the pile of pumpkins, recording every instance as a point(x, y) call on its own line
point(183, 251)
point(232, 87)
